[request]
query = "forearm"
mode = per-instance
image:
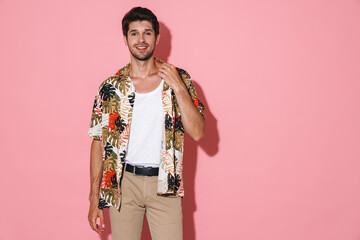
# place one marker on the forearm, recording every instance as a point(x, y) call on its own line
point(192, 120)
point(96, 167)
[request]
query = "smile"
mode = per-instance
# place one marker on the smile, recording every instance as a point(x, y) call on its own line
point(141, 48)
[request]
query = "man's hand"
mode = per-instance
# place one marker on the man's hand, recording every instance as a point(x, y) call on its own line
point(94, 214)
point(171, 76)
point(96, 166)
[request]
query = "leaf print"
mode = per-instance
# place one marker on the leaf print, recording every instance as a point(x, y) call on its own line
point(118, 72)
point(120, 124)
point(168, 121)
point(179, 140)
point(125, 108)
point(110, 194)
point(169, 138)
point(95, 102)
point(131, 98)
point(125, 134)
point(95, 119)
point(107, 92)
point(173, 182)
point(108, 150)
point(166, 101)
point(196, 102)
point(113, 180)
point(106, 178)
point(110, 162)
point(178, 123)
point(114, 137)
point(96, 112)
point(181, 71)
point(104, 134)
point(123, 85)
point(112, 118)
point(122, 156)
point(112, 105)
point(103, 204)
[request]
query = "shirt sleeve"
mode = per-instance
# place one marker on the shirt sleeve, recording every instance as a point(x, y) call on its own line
point(191, 89)
point(95, 128)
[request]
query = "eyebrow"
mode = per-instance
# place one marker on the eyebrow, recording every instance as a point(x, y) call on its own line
point(146, 30)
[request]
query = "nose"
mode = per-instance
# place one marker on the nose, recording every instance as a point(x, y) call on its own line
point(141, 38)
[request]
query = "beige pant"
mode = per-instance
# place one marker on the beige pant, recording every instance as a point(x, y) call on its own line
point(164, 214)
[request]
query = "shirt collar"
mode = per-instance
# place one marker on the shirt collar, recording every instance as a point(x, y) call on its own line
point(124, 73)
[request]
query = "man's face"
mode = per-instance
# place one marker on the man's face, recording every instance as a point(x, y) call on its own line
point(141, 40)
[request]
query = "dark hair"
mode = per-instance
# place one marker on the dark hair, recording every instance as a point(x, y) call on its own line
point(139, 14)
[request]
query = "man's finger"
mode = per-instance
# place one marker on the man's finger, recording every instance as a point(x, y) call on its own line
point(94, 225)
point(172, 73)
point(162, 75)
point(102, 222)
point(169, 70)
point(162, 69)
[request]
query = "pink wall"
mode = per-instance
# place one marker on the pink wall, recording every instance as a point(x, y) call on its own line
point(280, 80)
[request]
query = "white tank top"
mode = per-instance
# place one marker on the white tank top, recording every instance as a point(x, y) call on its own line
point(146, 129)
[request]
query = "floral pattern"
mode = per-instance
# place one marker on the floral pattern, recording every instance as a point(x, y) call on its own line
point(111, 122)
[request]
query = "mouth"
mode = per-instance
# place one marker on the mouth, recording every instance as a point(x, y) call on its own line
point(141, 48)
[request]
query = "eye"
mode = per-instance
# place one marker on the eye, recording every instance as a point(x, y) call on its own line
point(148, 33)
point(133, 34)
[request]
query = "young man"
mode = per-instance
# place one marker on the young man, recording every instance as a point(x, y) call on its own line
point(138, 121)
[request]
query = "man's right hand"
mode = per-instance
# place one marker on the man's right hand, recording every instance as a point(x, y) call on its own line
point(96, 169)
point(94, 214)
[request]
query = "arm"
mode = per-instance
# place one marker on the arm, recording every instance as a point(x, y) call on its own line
point(192, 120)
point(96, 166)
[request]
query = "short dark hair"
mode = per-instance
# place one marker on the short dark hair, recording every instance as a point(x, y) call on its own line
point(139, 14)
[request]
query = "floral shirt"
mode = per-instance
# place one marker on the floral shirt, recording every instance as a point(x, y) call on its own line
point(111, 121)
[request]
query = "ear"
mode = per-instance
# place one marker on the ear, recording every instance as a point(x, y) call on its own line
point(125, 41)
point(157, 38)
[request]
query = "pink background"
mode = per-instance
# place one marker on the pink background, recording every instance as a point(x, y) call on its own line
point(280, 81)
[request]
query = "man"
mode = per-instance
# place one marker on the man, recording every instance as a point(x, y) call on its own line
point(140, 171)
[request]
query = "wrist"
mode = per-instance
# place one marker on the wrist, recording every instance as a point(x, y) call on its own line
point(93, 197)
point(180, 90)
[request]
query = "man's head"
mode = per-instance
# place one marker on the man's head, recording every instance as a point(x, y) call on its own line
point(141, 32)
point(139, 14)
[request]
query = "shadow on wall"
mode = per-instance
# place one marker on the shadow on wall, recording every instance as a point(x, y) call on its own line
point(209, 144)
point(163, 49)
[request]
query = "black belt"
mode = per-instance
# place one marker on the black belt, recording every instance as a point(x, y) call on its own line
point(142, 171)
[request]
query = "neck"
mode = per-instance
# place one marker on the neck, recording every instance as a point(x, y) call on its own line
point(141, 69)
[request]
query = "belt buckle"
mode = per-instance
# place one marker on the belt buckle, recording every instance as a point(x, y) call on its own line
point(134, 171)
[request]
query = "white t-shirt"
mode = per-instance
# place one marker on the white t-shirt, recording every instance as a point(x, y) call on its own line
point(146, 129)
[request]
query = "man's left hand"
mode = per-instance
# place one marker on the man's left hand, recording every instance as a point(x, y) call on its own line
point(171, 76)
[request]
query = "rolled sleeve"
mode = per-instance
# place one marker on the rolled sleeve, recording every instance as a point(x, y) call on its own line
point(95, 127)
point(191, 89)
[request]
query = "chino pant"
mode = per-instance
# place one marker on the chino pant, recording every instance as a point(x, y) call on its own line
point(164, 214)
